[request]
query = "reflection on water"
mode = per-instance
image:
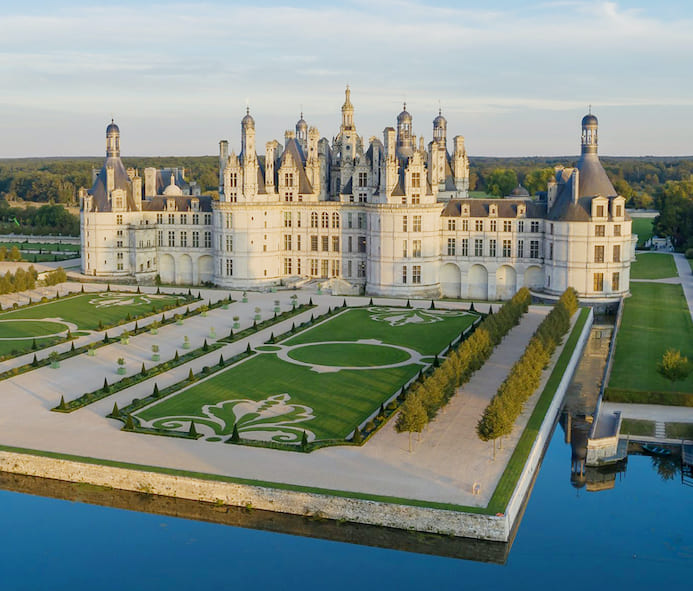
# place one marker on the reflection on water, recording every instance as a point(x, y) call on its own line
point(353, 533)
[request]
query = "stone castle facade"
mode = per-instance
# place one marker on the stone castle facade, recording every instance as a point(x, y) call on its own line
point(390, 217)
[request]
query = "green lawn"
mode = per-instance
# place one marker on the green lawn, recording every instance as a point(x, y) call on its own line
point(653, 265)
point(679, 430)
point(74, 248)
point(643, 228)
point(270, 398)
point(637, 427)
point(83, 310)
point(655, 318)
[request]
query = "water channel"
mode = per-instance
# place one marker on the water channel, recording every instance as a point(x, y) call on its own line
point(631, 526)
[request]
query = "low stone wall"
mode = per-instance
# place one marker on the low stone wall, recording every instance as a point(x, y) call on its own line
point(536, 454)
point(486, 527)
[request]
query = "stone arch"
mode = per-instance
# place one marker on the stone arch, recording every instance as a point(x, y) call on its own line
point(205, 269)
point(478, 282)
point(184, 275)
point(167, 268)
point(534, 277)
point(506, 282)
point(451, 280)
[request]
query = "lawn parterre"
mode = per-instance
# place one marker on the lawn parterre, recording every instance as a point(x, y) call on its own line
point(655, 318)
point(301, 385)
point(653, 265)
point(47, 323)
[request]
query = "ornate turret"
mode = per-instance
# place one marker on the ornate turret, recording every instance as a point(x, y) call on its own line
point(347, 111)
point(589, 133)
point(440, 128)
point(112, 140)
point(302, 133)
point(404, 137)
point(248, 136)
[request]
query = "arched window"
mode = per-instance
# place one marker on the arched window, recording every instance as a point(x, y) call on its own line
point(335, 220)
point(325, 220)
point(313, 219)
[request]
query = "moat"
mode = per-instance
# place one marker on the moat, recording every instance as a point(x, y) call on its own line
point(627, 527)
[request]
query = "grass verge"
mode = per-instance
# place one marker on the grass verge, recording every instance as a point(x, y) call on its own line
point(637, 427)
point(679, 430)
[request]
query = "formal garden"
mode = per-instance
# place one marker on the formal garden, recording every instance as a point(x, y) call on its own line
point(48, 322)
point(317, 383)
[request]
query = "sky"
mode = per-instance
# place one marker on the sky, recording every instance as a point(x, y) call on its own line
point(513, 77)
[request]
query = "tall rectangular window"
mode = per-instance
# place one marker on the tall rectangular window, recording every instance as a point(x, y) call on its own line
point(465, 247)
point(534, 249)
point(600, 211)
point(416, 180)
point(615, 281)
point(208, 219)
point(479, 225)
point(184, 219)
point(599, 230)
point(465, 225)
point(119, 219)
point(520, 249)
point(229, 267)
point(617, 229)
point(507, 226)
point(404, 224)
point(404, 274)
point(451, 225)
point(362, 244)
point(335, 243)
point(287, 241)
point(598, 282)
point(521, 226)
point(287, 219)
point(159, 218)
point(416, 248)
point(492, 248)
point(184, 239)
point(494, 225)
point(551, 251)
point(350, 244)
point(362, 221)
point(324, 268)
point(313, 267)
point(335, 268)
point(171, 238)
point(478, 247)
point(617, 253)
point(363, 179)
point(208, 240)
point(534, 227)
point(325, 243)
point(599, 253)
point(507, 249)
point(160, 238)
point(171, 218)
point(196, 239)
point(195, 219)
point(619, 211)
point(451, 247)
point(404, 249)
point(287, 266)
point(416, 274)
point(298, 243)
point(314, 244)
point(416, 223)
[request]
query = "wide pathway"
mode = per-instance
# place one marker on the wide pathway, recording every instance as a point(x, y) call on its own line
point(686, 275)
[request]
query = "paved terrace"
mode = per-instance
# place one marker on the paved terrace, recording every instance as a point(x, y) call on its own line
point(444, 467)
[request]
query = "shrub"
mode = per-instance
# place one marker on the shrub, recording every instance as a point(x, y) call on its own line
point(674, 366)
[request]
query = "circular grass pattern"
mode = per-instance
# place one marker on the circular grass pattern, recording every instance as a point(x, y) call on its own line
point(348, 355)
point(29, 329)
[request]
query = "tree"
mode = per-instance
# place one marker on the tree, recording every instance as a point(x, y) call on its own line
point(501, 182)
point(537, 180)
point(494, 423)
point(357, 437)
point(304, 441)
point(115, 412)
point(674, 366)
point(106, 388)
point(235, 437)
point(193, 431)
point(412, 417)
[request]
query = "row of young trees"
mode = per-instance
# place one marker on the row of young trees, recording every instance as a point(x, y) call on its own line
point(501, 413)
point(427, 396)
point(18, 281)
point(12, 254)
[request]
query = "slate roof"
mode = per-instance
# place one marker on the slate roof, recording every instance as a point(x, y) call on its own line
point(507, 208)
point(159, 202)
point(121, 181)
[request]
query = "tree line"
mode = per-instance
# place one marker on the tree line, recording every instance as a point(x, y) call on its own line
point(18, 281)
point(43, 220)
point(501, 413)
point(431, 392)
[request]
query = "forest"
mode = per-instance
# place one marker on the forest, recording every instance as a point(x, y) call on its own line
point(662, 183)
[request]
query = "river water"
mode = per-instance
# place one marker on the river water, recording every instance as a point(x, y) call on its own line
point(632, 527)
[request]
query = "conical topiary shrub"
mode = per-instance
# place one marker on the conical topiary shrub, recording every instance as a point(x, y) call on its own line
point(116, 411)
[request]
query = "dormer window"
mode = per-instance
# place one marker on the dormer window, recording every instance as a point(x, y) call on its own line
point(195, 204)
point(521, 210)
point(465, 209)
point(493, 209)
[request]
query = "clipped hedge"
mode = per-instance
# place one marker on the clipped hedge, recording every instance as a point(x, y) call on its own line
point(501, 413)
